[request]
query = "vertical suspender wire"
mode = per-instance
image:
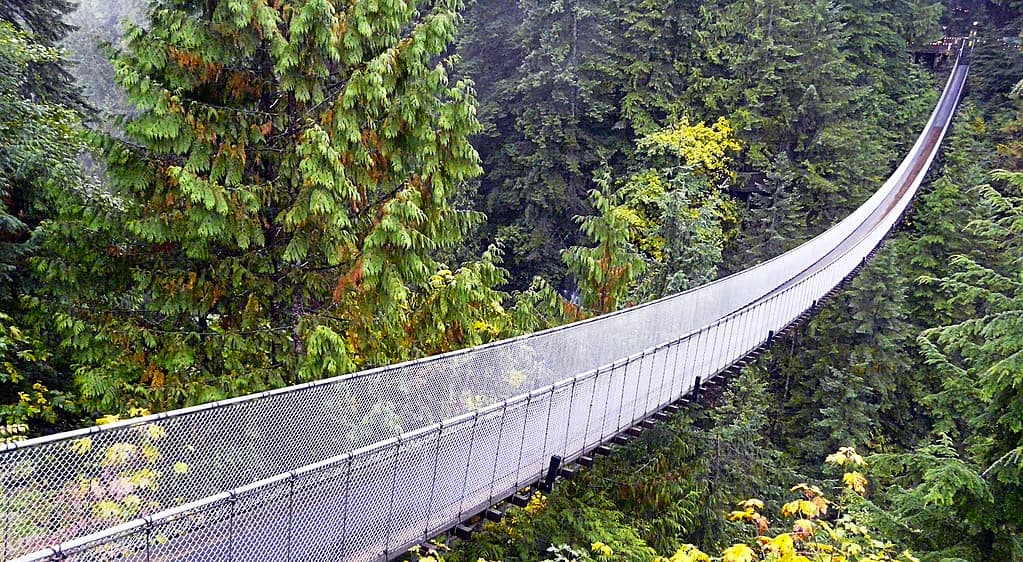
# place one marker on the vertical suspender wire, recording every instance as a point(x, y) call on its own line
point(673, 346)
point(568, 418)
point(621, 399)
point(468, 462)
point(343, 547)
point(752, 334)
point(149, 539)
point(522, 443)
point(735, 339)
point(589, 413)
point(497, 451)
point(668, 395)
point(232, 501)
point(607, 404)
point(390, 507)
point(731, 323)
point(649, 385)
point(680, 372)
point(433, 481)
point(725, 349)
point(291, 517)
point(547, 426)
point(701, 348)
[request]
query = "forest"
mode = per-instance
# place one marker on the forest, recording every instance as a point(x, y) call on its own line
point(207, 199)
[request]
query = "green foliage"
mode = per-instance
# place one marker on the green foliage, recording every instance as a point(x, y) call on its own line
point(43, 20)
point(981, 354)
point(276, 206)
point(529, 533)
point(552, 114)
point(680, 197)
point(39, 142)
point(606, 272)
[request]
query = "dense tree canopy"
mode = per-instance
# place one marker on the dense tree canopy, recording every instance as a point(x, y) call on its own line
point(275, 208)
point(299, 189)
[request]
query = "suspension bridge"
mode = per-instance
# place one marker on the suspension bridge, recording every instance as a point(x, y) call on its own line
point(362, 467)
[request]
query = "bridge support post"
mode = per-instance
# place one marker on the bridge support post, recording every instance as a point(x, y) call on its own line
point(547, 486)
point(697, 387)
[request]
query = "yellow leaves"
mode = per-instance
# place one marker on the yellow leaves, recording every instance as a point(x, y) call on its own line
point(741, 515)
point(145, 478)
point(738, 553)
point(909, 556)
point(750, 514)
point(536, 504)
point(807, 508)
point(602, 550)
point(815, 504)
point(81, 446)
point(707, 149)
point(844, 456)
point(155, 432)
point(781, 546)
point(808, 491)
point(107, 509)
point(180, 467)
point(107, 419)
point(802, 529)
point(752, 504)
point(856, 482)
point(150, 453)
point(689, 553)
point(119, 454)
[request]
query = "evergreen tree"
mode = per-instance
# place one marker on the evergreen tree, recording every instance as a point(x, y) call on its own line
point(847, 380)
point(987, 351)
point(737, 458)
point(40, 139)
point(559, 106)
point(276, 206)
point(653, 58)
point(605, 273)
point(47, 80)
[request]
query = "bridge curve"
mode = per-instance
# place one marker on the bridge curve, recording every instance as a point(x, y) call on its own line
point(362, 467)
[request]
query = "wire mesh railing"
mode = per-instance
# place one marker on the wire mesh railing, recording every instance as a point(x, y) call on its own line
point(363, 466)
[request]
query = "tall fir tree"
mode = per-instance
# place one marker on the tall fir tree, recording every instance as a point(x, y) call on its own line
point(276, 205)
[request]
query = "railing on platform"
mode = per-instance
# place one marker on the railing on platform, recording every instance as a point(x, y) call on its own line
point(363, 466)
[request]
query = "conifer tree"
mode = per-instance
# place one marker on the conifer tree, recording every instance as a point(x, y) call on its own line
point(985, 353)
point(606, 272)
point(559, 105)
point(45, 20)
point(276, 206)
point(653, 60)
point(40, 140)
